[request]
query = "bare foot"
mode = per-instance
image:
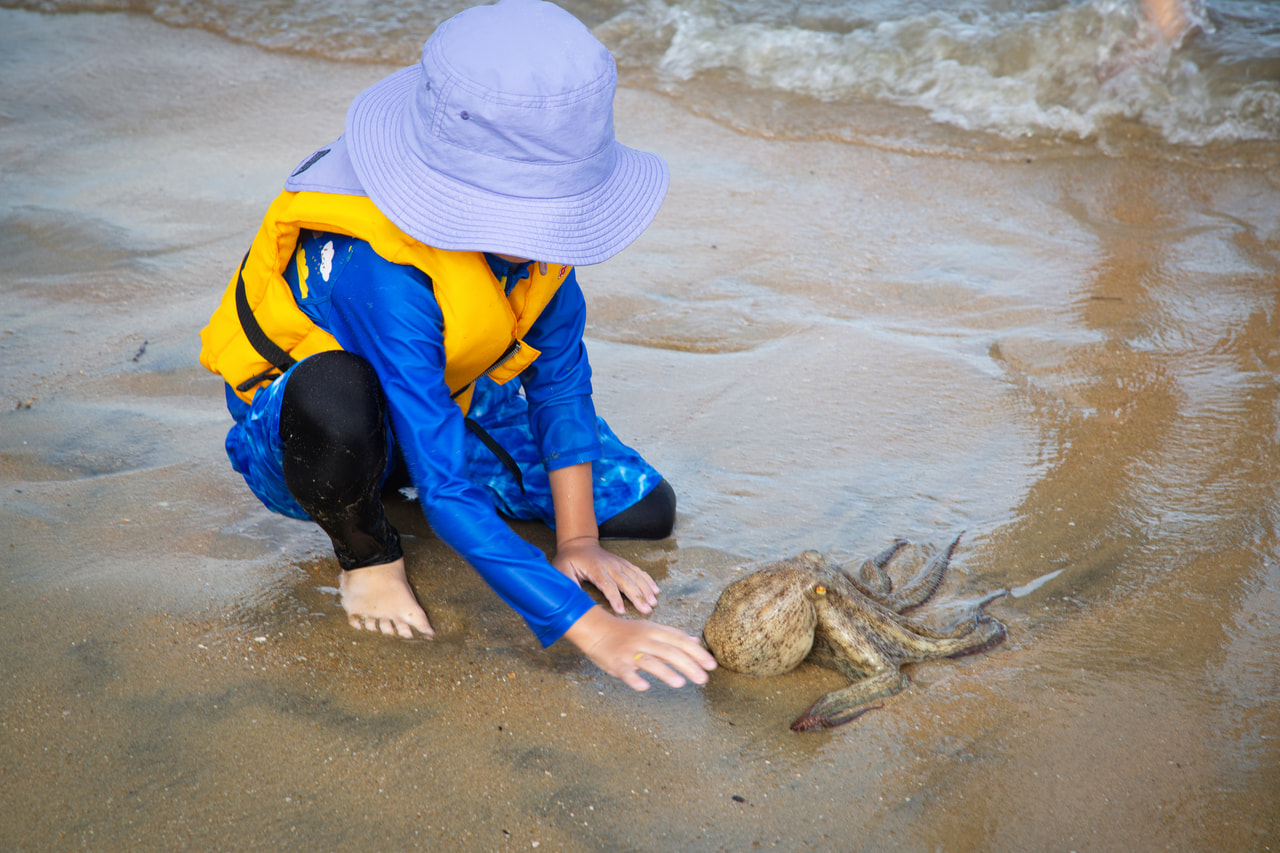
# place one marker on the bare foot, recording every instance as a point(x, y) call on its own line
point(379, 598)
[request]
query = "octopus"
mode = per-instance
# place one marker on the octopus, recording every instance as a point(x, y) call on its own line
point(810, 609)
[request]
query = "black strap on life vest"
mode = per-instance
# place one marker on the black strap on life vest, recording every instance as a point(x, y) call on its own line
point(497, 450)
point(267, 348)
point(479, 432)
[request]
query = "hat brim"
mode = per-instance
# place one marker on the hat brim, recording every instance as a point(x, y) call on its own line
point(447, 213)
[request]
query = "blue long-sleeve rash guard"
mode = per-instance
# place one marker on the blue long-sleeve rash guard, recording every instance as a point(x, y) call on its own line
point(388, 314)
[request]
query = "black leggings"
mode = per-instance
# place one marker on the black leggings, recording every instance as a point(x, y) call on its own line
point(333, 422)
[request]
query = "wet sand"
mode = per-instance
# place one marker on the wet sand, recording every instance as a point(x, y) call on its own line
point(1073, 359)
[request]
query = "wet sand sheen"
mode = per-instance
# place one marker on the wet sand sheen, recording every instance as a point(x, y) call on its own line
point(820, 345)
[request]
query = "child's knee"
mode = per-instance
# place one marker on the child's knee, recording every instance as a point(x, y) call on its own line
point(651, 517)
point(333, 397)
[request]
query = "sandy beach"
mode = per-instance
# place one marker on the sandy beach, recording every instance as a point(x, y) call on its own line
point(1071, 358)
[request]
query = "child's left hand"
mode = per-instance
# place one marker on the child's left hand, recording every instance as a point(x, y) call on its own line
point(583, 559)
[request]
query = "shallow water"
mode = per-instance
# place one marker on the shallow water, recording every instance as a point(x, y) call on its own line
point(1073, 359)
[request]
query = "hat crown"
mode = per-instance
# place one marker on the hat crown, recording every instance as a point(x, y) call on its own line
point(516, 99)
point(501, 140)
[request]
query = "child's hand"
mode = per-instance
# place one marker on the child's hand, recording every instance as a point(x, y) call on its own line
point(624, 648)
point(584, 560)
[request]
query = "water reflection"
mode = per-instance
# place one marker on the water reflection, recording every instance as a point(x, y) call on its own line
point(1166, 428)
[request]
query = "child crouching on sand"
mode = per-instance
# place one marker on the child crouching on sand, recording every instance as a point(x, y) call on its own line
point(410, 307)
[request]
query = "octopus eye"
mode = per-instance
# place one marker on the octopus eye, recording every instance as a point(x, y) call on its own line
point(819, 590)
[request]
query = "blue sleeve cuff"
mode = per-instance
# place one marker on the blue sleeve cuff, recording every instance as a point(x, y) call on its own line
point(566, 432)
point(560, 622)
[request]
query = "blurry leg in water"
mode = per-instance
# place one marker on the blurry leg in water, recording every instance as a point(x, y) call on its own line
point(1169, 16)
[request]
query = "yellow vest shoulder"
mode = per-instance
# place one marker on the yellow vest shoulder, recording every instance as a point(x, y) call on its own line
point(483, 326)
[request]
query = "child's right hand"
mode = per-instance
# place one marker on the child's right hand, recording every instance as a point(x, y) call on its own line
point(626, 647)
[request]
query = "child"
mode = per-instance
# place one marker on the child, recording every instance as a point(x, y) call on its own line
point(410, 305)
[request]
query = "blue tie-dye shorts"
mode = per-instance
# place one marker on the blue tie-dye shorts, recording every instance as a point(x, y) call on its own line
point(621, 476)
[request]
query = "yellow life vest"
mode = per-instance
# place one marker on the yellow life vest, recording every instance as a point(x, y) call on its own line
point(483, 326)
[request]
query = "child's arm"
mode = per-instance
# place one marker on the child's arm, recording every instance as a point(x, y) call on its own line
point(621, 647)
point(625, 647)
point(578, 551)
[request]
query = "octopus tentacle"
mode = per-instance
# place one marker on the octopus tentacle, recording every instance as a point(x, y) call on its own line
point(872, 579)
point(847, 704)
point(924, 585)
point(988, 633)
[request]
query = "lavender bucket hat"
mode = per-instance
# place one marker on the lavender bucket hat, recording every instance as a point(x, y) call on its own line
point(501, 140)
